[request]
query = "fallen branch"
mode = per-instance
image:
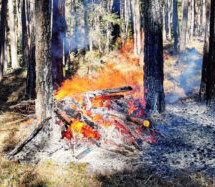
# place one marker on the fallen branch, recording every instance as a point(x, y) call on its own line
point(23, 104)
point(19, 147)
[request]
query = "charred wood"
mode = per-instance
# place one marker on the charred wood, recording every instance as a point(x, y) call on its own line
point(125, 117)
point(77, 115)
point(19, 147)
point(93, 94)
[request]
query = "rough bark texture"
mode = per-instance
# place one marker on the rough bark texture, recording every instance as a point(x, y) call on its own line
point(2, 37)
point(58, 35)
point(203, 16)
point(25, 47)
point(44, 86)
point(31, 74)
point(184, 29)
point(13, 40)
point(207, 90)
point(153, 56)
point(175, 25)
point(136, 26)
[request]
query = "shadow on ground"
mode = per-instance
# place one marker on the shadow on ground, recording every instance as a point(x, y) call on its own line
point(12, 88)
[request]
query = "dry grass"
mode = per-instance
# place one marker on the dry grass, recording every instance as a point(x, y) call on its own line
point(44, 174)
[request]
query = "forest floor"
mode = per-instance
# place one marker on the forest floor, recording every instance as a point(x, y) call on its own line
point(185, 156)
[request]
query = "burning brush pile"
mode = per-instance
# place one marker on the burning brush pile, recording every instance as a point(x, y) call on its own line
point(104, 118)
point(107, 110)
point(104, 111)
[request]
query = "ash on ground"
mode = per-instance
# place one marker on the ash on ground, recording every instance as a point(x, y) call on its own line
point(188, 144)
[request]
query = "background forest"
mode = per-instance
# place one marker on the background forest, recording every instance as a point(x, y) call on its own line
point(55, 49)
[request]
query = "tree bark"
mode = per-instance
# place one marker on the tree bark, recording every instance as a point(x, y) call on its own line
point(13, 40)
point(153, 57)
point(31, 74)
point(207, 90)
point(184, 29)
point(169, 20)
point(2, 36)
point(44, 87)
point(203, 16)
point(175, 25)
point(58, 35)
point(25, 47)
point(136, 26)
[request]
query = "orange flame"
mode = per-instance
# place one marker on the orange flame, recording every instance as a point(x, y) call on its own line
point(83, 129)
point(124, 69)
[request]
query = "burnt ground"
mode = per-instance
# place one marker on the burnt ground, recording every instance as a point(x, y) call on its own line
point(189, 143)
point(184, 153)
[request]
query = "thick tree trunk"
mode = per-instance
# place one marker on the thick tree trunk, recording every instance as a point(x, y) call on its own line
point(58, 35)
point(184, 29)
point(175, 25)
point(207, 90)
point(13, 40)
point(44, 87)
point(2, 37)
point(153, 57)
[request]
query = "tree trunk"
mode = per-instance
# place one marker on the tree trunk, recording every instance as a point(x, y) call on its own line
point(191, 19)
point(31, 74)
point(13, 40)
point(207, 90)
point(153, 57)
point(25, 47)
point(136, 26)
point(108, 27)
point(164, 21)
point(196, 17)
point(169, 20)
point(2, 37)
point(203, 16)
point(184, 29)
point(18, 20)
point(58, 35)
point(175, 25)
point(44, 87)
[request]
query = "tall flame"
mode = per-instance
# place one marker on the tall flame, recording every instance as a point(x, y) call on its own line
point(124, 69)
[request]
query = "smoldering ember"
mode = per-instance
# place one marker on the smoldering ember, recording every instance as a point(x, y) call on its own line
point(107, 93)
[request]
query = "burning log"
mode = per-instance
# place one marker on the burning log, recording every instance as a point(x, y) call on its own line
point(109, 97)
point(93, 94)
point(63, 116)
point(125, 117)
point(77, 115)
